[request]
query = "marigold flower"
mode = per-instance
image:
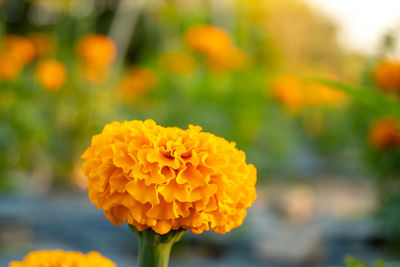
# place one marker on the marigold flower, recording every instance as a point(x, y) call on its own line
point(178, 63)
point(216, 44)
point(289, 91)
point(319, 95)
point(9, 69)
point(384, 133)
point(167, 178)
point(42, 43)
point(208, 40)
point(17, 51)
point(136, 82)
point(387, 76)
point(59, 258)
point(51, 74)
point(96, 50)
point(96, 53)
point(19, 48)
point(296, 95)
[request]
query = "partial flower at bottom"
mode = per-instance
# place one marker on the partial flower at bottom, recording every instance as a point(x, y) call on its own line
point(59, 258)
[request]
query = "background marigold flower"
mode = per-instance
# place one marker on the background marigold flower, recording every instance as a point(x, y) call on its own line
point(216, 44)
point(9, 69)
point(289, 91)
point(96, 50)
point(387, 76)
point(384, 133)
point(319, 95)
point(59, 258)
point(19, 48)
point(296, 95)
point(51, 74)
point(209, 40)
point(168, 178)
point(178, 63)
point(136, 82)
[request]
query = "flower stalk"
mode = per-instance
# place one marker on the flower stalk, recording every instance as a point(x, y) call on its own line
point(155, 249)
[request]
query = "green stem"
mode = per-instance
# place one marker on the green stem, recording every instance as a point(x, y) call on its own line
point(154, 249)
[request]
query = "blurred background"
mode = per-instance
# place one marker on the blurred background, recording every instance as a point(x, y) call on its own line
point(310, 90)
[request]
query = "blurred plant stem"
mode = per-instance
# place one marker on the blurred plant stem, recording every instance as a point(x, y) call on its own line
point(123, 26)
point(155, 249)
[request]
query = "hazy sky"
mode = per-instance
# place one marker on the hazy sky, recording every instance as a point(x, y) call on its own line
point(362, 22)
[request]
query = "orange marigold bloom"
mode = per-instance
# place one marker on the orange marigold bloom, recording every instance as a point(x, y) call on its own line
point(289, 91)
point(136, 82)
point(384, 133)
point(209, 40)
point(17, 51)
point(178, 63)
point(42, 43)
point(19, 48)
point(51, 74)
point(96, 53)
point(319, 95)
point(168, 178)
point(387, 76)
point(96, 50)
point(9, 69)
point(296, 95)
point(216, 44)
point(59, 258)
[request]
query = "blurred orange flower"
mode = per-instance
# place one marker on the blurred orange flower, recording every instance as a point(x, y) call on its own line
point(168, 178)
point(289, 91)
point(96, 53)
point(9, 69)
point(295, 95)
point(387, 76)
point(319, 95)
point(209, 40)
point(42, 43)
point(178, 63)
point(17, 51)
point(19, 48)
point(96, 50)
point(51, 74)
point(216, 44)
point(59, 258)
point(136, 82)
point(384, 133)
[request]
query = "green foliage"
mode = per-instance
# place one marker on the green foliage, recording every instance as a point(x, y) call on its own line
point(353, 262)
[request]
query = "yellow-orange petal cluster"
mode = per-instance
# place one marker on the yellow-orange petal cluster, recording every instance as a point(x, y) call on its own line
point(216, 44)
point(168, 178)
point(296, 95)
point(135, 83)
point(9, 69)
point(51, 74)
point(384, 133)
point(387, 76)
point(96, 53)
point(178, 63)
point(59, 258)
